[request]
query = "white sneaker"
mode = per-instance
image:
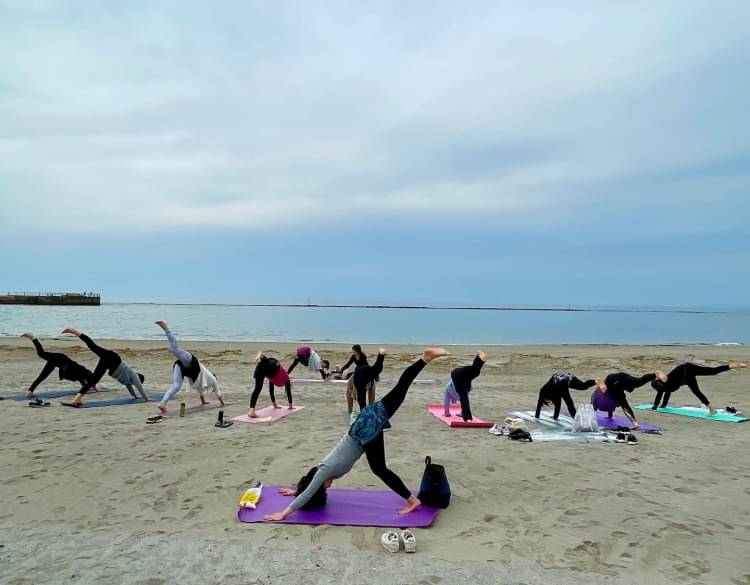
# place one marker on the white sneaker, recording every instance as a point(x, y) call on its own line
point(390, 541)
point(410, 541)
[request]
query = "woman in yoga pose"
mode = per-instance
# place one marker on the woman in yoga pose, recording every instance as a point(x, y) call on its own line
point(457, 390)
point(67, 368)
point(309, 358)
point(365, 437)
point(616, 385)
point(686, 375)
point(268, 367)
point(557, 389)
point(365, 375)
point(187, 366)
point(109, 361)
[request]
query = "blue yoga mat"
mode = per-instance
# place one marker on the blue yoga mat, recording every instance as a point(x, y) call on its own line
point(52, 394)
point(113, 402)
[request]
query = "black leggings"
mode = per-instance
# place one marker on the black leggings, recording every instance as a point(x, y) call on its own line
point(462, 378)
point(108, 361)
point(558, 392)
point(685, 375)
point(375, 449)
point(365, 375)
point(259, 387)
point(69, 370)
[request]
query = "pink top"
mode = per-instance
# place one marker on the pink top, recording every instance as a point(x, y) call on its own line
point(280, 378)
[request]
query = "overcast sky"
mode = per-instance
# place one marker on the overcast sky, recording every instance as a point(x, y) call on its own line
point(468, 152)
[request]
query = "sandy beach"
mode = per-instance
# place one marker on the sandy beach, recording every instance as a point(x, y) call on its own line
point(97, 496)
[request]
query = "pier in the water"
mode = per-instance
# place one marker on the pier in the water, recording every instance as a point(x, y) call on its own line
point(47, 298)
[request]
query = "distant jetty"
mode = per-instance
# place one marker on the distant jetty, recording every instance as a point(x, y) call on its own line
point(69, 299)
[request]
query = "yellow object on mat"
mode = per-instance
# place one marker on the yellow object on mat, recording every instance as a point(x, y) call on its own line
point(251, 497)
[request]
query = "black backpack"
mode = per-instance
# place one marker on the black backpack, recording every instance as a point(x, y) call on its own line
point(435, 491)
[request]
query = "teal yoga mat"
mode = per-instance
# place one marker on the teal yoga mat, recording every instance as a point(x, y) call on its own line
point(52, 394)
point(696, 412)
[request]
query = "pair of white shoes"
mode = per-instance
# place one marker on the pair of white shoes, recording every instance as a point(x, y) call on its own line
point(391, 541)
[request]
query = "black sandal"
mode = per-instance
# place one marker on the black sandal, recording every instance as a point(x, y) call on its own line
point(38, 403)
point(152, 420)
point(72, 404)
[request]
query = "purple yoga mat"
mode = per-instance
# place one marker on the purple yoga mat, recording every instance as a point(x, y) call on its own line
point(345, 507)
point(619, 421)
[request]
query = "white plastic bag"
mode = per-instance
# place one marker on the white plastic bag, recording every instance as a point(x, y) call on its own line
point(585, 420)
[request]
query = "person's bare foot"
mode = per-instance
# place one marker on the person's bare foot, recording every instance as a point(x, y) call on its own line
point(163, 325)
point(711, 410)
point(258, 357)
point(601, 385)
point(72, 331)
point(382, 351)
point(276, 405)
point(482, 356)
point(78, 399)
point(736, 365)
point(30, 394)
point(411, 504)
point(203, 400)
point(29, 336)
point(662, 376)
point(251, 413)
point(635, 426)
point(430, 353)
point(162, 408)
point(291, 407)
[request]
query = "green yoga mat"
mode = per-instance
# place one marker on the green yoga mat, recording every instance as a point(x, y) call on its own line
point(696, 412)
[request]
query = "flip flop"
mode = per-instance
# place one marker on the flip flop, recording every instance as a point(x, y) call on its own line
point(731, 410)
point(38, 403)
point(71, 404)
point(224, 424)
point(152, 420)
point(631, 440)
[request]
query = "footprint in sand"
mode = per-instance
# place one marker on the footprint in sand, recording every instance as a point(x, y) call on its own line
point(693, 569)
point(685, 490)
point(742, 579)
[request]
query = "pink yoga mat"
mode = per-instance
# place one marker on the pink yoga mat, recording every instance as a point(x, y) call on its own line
point(192, 409)
point(345, 507)
point(455, 420)
point(268, 411)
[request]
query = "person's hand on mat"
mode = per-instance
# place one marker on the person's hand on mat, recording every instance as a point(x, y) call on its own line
point(275, 517)
point(163, 325)
point(288, 491)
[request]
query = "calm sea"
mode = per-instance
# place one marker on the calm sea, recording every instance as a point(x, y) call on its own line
point(296, 324)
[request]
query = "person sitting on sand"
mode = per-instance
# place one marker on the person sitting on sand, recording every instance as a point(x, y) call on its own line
point(457, 390)
point(686, 375)
point(268, 367)
point(557, 389)
point(109, 361)
point(309, 358)
point(364, 437)
point(67, 368)
point(187, 366)
point(615, 386)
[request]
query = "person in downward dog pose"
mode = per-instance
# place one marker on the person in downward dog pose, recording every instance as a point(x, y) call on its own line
point(364, 437)
point(457, 390)
point(557, 389)
point(187, 366)
point(67, 368)
point(616, 385)
point(309, 358)
point(268, 367)
point(686, 375)
point(111, 362)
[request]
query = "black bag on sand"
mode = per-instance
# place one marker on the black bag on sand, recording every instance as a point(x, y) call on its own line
point(434, 491)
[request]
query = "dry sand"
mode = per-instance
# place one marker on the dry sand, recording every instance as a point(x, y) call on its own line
point(96, 496)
